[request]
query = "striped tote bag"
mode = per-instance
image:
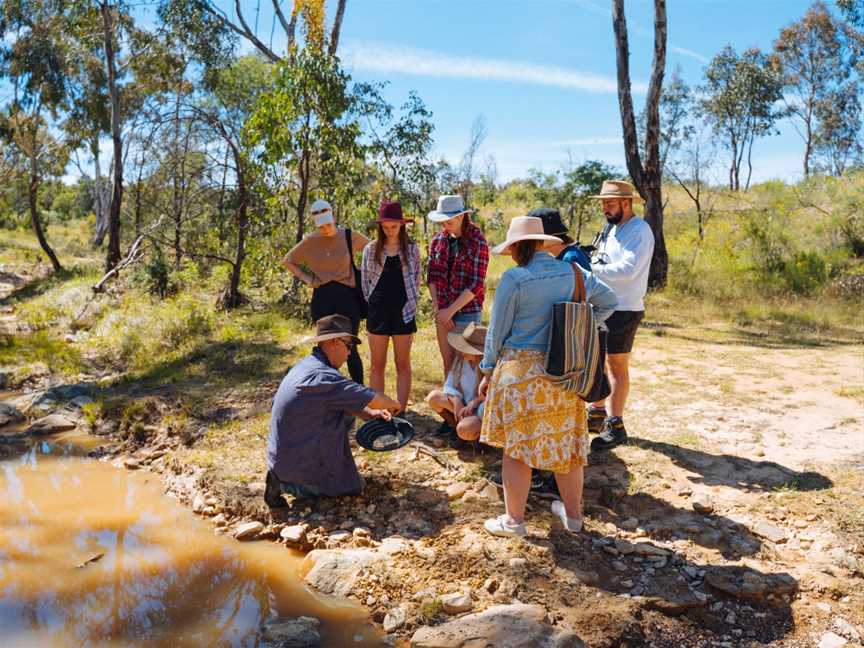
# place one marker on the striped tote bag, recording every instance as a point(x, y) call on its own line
point(576, 351)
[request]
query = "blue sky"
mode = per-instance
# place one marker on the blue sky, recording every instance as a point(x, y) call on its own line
point(542, 72)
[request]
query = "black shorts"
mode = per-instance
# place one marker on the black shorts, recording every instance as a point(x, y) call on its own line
point(383, 320)
point(622, 330)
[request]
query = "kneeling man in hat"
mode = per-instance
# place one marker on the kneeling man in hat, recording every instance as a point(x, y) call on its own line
point(308, 454)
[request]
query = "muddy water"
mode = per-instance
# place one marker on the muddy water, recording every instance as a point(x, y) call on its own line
point(93, 554)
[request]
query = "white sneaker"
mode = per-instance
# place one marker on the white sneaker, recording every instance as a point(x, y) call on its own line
point(571, 524)
point(504, 527)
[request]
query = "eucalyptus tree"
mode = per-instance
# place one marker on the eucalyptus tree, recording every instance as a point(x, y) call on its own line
point(815, 64)
point(741, 96)
point(34, 55)
point(645, 170)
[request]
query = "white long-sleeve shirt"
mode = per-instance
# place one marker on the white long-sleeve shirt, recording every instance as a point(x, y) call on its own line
point(627, 253)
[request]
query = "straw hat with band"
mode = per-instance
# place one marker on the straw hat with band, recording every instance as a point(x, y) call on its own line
point(448, 207)
point(618, 189)
point(524, 228)
point(391, 212)
point(330, 328)
point(471, 340)
point(322, 213)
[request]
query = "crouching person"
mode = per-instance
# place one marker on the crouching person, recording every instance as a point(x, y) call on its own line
point(308, 454)
point(458, 403)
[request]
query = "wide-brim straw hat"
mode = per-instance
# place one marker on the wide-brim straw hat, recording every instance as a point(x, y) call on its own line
point(470, 340)
point(618, 189)
point(330, 328)
point(525, 228)
point(448, 207)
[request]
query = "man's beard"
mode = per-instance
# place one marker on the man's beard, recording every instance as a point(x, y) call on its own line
point(614, 220)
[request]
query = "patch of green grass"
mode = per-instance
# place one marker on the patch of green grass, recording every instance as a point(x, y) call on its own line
point(430, 611)
point(40, 347)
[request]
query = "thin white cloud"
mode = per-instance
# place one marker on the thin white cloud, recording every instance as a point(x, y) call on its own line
point(374, 57)
point(591, 141)
point(683, 51)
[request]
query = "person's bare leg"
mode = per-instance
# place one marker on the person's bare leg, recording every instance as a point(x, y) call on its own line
point(570, 488)
point(469, 428)
point(439, 402)
point(402, 358)
point(619, 378)
point(378, 345)
point(516, 477)
point(448, 354)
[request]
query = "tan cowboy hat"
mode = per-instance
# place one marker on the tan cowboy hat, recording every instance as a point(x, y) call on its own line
point(524, 228)
point(618, 189)
point(471, 340)
point(330, 328)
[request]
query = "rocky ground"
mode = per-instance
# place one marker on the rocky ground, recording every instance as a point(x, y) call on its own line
point(734, 516)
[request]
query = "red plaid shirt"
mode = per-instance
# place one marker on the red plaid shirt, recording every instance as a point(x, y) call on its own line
point(468, 271)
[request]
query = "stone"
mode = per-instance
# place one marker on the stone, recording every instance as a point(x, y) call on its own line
point(630, 524)
point(340, 535)
point(9, 414)
point(248, 531)
point(199, 503)
point(131, 463)
point(731, 618)
point(335, 571)
point(624, 547)
point(627, 583)
point(846, 629)
point(617, 565)
point(426, 553)
point(518, 563)
point(831, 640)
point(424, 594)
point(685, 491)
point(456, 602)
point(648, 549)
point(770, 532)
point(702, 503)
point(294, 534)
point(300, 632)
point(746, 584)
point(490, 491)
point(456, 490)
point(51, 424)
point(361, 532)
point(503, 626)
point(395, 619)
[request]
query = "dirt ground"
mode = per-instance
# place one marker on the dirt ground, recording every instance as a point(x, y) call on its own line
point(733, 517)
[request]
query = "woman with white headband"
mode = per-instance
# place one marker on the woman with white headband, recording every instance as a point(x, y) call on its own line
point(323, 261)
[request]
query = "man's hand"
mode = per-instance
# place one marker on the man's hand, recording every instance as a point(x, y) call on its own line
point(382, 414)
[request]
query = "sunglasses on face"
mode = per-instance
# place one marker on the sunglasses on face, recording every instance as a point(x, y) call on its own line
point(349, 344)
point(320, 211)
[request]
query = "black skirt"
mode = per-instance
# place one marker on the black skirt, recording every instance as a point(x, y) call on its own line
point(387, 301)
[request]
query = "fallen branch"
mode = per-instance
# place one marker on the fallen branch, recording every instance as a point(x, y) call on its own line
point(437, 456)
point(135, 254)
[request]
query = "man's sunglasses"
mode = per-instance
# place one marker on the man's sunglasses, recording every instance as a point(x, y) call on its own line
point(349, 344)
point(320, 211)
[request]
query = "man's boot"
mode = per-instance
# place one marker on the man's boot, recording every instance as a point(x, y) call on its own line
point(273, 492)
point(613, 434)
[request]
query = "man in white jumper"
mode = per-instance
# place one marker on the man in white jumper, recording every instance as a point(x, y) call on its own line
point(622, 260)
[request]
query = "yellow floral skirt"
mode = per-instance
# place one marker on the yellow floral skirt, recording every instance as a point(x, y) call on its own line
point(532, 419)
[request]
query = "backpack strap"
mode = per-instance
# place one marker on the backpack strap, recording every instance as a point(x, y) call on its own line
point(350, 248)
point(578, 284)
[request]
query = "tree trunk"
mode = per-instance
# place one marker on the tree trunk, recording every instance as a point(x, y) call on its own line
point(33, 204)
point(647, 177)
point(233, 300)
point(99, 197)
point(113, 257)
point(337, 28)
point(304, 194)
point(175, 183)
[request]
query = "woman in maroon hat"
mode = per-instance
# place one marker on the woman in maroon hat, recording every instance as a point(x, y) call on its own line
point(390, 277)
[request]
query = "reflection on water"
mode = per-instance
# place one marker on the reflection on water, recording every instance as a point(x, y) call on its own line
point(93, 554)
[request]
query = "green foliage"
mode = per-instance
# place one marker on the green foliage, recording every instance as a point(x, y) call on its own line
point(156, 275)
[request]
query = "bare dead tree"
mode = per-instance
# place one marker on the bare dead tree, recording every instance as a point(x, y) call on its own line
point(109, 33)
point(647, 175)
point(337, 28)
point(475, 141)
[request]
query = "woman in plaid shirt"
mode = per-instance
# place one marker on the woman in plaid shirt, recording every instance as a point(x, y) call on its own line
point(456, 272)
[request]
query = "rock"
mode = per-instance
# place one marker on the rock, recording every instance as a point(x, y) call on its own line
point(648, 549)
point(361, 532)
point(295, 534)
point(51, 424)
point(426, 553)
point(842, 558)
point(79, 402)
point(624, 547)
point(199, 503)
point(702, 503)
point(248, 531)
point(617, 565)
point(770, 532)
point(502, 626)
point(627, 584)
point(685, 491)
point(335, 571)
point(731, 618)
point(424, 594)
point(9, 414)
point(518, 563)
point(746, 584)
point(394, 619)
point(831, 640)
point(131, 463)
point(612, 551)
point(630, 524)
point(340, 536)
point(456, 603)
point(301, 632)
point(846, 629)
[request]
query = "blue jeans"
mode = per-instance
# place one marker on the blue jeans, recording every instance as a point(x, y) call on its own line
point(461, 320)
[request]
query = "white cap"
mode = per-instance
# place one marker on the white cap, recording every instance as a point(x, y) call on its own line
point(324, 215)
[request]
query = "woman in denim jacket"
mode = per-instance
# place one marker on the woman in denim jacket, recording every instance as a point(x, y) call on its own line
point(536, 423)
